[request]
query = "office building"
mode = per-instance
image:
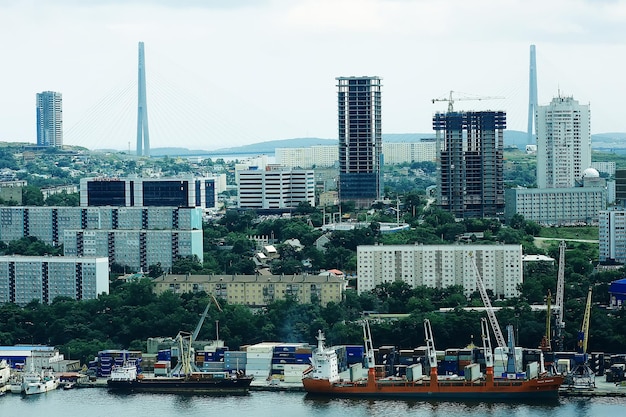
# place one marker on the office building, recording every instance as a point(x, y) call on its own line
point(49, 119)
point(563, 143)
point(275, 189)
point(257, 290)
point(360, 140)
point(48, 224)
point(441, 266)
point(184, 191)
point(43, 278)
point(471, 169)
point(135, 249)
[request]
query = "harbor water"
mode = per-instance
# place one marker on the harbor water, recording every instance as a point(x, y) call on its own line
point(99, 402)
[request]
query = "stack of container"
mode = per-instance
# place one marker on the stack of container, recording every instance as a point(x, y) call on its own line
point(259, 360)
point(234, 360)
point(466, 358)
point(342, 357)
point(289, 361)
point(107, 359)
point(162, 368)
point(450, 363)
point(355, 354)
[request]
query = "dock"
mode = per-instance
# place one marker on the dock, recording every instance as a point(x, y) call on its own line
point(602, 389)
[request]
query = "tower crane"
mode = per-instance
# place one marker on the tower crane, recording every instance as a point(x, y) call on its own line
point(450, 99)
point(560, 286)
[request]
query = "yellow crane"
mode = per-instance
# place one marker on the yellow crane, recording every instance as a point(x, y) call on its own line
point(583, 335)
point(451, 99)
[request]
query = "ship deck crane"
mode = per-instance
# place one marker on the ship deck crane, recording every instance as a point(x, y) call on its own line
point(431, 353)
point(493, 320)
point(451, 99)
point(560, 287)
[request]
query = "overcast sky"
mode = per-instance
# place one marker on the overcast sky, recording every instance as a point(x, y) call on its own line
point(231, 72)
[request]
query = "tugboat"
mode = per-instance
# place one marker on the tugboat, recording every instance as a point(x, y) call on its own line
point(323, 378)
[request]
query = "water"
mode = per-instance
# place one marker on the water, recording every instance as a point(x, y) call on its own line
point(98, 402)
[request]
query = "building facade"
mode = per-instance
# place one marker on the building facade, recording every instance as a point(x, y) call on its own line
point(360, 140)
point(275, 189)
point(441, 266)
point(257, 290)
point(27, 278)
point(471, 169)
point(48, 224)
point(556, 206)
point(135, 249)
point(563, 142)
point(185, 191)
point(49, 119)
point(612, 235)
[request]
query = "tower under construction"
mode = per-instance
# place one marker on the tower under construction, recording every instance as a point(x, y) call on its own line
point(471, 177)
point(143, 136)
point(532, 96)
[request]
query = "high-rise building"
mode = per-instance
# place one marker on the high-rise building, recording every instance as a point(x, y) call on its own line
point(49, 119)
point(471, 168)
point(563, 143)
point(360, 140)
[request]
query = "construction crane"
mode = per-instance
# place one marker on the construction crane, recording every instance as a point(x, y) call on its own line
point(560, 288)
point(545, 342)
point(450, 99)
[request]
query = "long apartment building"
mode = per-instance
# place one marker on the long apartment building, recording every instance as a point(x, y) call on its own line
point(327, 155)
point(184, 191)
point(441, 266)
point(27, 278)
point(135, 249)
point(48, 224)
point(275, 189)
point(257, 290)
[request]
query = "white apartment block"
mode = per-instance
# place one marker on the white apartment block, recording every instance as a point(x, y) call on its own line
point(604, 167)
point(327, 155)
point(304, 158)
point(400, 153)
point(612, 235)
point(441, 266)
point(276, 189)
point(27, 278)
point(135, 249)
point(48, 224)
point(556, 206)
point(563, 142)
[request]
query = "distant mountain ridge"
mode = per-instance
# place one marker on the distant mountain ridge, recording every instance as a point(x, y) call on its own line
point(512, 138)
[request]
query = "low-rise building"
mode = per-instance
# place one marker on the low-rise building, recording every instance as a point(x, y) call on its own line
point(257, 290)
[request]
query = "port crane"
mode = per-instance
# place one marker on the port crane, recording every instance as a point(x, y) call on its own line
point(451, 99)
point(582, 377)
point(431, 353)
point(185, 341)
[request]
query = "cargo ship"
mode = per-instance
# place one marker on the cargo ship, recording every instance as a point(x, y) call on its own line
point(126, 379)
point(185, 378)
point(323, 379)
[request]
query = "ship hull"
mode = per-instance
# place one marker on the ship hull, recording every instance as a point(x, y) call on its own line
point(182, 386)
point(543, 388)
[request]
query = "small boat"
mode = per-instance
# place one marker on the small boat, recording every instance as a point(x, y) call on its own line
point(69, 385)
point(39, 382)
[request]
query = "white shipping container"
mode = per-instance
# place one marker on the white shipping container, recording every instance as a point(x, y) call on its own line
point(532, 370)
point(472, 372)
point(414, 372)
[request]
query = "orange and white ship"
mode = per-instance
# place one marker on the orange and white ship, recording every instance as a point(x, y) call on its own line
point(324, 379)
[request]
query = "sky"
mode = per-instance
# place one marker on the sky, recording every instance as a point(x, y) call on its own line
point(225, 73)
